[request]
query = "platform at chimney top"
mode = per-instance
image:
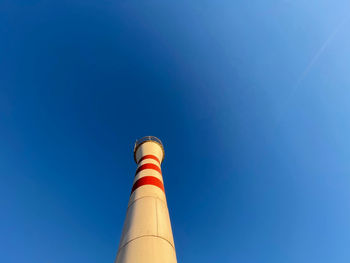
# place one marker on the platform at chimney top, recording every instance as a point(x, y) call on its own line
point(141, 141)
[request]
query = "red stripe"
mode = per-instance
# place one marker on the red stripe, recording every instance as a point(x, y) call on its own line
point(147, 180)
point(149, 156)
point(148, 166)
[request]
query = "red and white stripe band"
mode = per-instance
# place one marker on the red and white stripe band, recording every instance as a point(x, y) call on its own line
point(149, 156)
point(148, 166)
point(147, 180)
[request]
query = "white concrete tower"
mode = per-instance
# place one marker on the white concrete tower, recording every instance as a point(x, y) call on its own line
point(147, 236)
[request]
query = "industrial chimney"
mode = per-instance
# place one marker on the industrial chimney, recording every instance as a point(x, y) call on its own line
point(147, 236)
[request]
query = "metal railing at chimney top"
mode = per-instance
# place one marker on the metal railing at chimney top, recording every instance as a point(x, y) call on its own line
point(147, 138)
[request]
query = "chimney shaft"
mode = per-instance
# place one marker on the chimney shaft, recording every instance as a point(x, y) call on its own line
point(147, 236)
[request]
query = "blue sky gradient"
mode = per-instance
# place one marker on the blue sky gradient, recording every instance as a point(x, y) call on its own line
point(251, 100)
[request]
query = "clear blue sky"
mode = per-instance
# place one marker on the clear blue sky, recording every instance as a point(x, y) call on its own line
point(251, 100)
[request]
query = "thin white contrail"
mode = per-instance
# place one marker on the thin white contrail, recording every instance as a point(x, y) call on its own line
point(320, 51)
point(311, 64)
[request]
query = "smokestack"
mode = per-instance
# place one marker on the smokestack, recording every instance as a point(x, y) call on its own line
point(147, 236)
